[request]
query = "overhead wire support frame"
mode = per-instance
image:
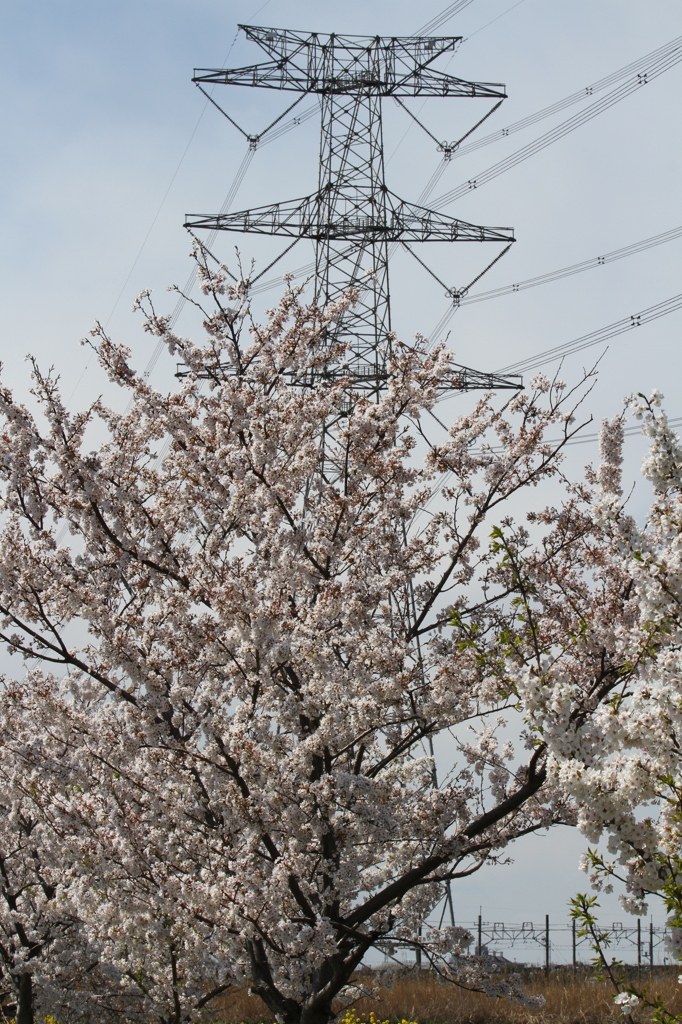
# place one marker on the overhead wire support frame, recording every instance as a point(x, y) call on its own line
point(354, 220)
point(353, 217)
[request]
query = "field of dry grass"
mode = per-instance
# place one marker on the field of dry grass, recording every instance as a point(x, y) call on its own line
point(569, 999)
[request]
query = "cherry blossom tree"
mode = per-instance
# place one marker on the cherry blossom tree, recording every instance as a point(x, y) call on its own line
point(620, 758)
point(27, 921)
point(44, 949)
point(240, 656)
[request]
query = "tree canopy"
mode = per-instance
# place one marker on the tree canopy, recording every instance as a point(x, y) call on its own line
point(244, 617)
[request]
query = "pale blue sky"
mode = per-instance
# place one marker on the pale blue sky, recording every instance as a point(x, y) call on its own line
point(98, 110)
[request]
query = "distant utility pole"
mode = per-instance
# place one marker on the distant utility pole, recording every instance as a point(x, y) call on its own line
point(353, 218)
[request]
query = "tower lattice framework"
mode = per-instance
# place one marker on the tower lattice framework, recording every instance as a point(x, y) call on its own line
point(353, 218)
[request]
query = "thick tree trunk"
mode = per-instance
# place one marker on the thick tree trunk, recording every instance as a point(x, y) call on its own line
point(325, 985)
point(25, 1001)
point(290, 1011)
point(321, 1015)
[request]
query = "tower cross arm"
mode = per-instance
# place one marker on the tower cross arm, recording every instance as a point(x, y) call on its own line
point(344, 65)
point(464, 378)
point(419, 224)
point(308, 218)
point(293, 219)
point(285, 76)
point(268, 75)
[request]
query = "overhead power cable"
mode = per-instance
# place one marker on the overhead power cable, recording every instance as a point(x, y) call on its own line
point(575, 97)
point(658, 67)
point(517, 286)
point(156, 216)
point(575, 268)
point(440, 19)
point(643, 68)
point(581, 438)
point(493, 20)
point(591, 438)
point(628, 323)
point(553, 275)
point(277, 133)
point(628, 431)
point(269, 135)
point(456, 149)
point(241, 172)
point(274, 282)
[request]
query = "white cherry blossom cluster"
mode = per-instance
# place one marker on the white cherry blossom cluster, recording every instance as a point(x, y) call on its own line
point(234, 663)
point(613, 729)
point(627, 1001)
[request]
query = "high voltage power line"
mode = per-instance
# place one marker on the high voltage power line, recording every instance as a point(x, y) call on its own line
point(575, 268)
point(628, 323)
point(452, 150)
point(440, 19)
point(189, 284)
point(554, 275)
point(628, 431)
point(672, 55)
point(592, 438)
point(633, 68)
point(579, 438)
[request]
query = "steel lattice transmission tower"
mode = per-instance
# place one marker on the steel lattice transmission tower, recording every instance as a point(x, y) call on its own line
point(353, 218)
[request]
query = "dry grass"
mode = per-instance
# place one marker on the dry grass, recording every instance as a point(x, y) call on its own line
point(569, 999)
